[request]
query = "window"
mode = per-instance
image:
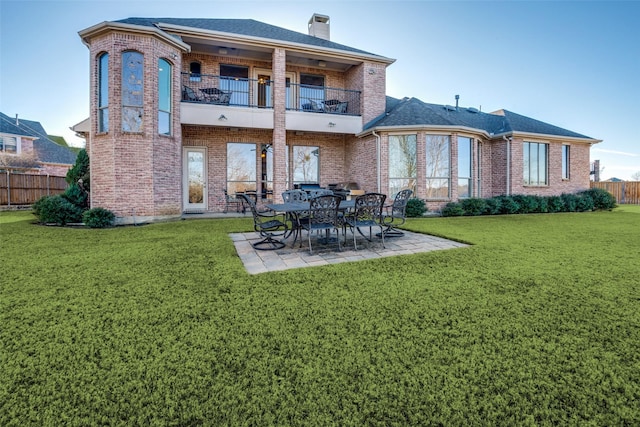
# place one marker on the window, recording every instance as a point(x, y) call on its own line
point(311, 89)
point(402, 163)
point(464, 166)
point(306, 164)
point(438, 148)
point(241, 167)
point(132, 91)
point(194, 72)
point(535, 163)
point(9, 145)
point(565, 161)
point(235, 79)
point(164, 97)
point(103, 93)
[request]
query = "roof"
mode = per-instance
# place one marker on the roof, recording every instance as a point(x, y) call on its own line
point(45, 149)
point(246, 27)
point(409, 112)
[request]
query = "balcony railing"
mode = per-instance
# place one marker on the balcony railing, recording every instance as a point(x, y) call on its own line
point(220, 90)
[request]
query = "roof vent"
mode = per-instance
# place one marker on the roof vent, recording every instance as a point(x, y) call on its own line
point(319, 26)
point(473, 110)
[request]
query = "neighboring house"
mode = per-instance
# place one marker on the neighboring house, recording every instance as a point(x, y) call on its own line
point(184, 109)
point(26, 148)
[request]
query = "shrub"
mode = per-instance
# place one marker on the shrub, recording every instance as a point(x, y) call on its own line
point(555, 204)
point(526, 203)
point(492, 206)
point(543, 204)
point(570, 202)
point(80, 170)
point(452, 209)
point(508, 205)
point(473, 206)
point(98, 218)
point(76, 196)
point(56, 210)
point(584, 203)
point(415, 207)
point(602, 199)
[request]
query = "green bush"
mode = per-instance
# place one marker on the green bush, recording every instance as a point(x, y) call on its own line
point(570, 202)
point(56, 210)
point(80, 170)
point(543, 204)
point(585, 202)
point(415, 207)
point(492, 206)
point(452, 209)
point(473, 206)
point(555, 204)
point(76, 196)
point(508, 205)
point(98, 218)
point(602, 199)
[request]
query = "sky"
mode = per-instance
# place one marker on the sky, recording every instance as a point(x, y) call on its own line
point(574, 64)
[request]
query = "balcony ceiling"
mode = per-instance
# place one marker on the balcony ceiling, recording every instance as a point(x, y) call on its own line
point(259, 53)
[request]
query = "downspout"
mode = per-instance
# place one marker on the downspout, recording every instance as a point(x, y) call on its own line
point(378, 160)
point(508, 142)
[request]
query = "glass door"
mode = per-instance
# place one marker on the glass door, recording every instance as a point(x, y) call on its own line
point(195, 179)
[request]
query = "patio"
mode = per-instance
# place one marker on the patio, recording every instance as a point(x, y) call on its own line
point(256, 262)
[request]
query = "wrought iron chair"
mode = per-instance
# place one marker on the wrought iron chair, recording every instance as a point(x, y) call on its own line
point(232, 200)
point(323, 215)
point(295, 196)
point(316, 192)
point(396, 214)
point(267, 225)
point(367, 213)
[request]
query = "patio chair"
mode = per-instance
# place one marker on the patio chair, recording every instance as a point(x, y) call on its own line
point(317, 192)
point(188, 94)
point(395, 214)
point(367, 213)
point(323, 216)
point(232, 200)
point(267, 225)
point(296, 196)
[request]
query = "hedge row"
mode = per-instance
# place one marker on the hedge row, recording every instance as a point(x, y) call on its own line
point(588, 200)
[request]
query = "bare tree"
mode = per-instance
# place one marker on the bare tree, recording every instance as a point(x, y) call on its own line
point(635, 176)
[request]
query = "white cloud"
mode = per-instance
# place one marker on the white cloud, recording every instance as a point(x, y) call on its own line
point(620, 153)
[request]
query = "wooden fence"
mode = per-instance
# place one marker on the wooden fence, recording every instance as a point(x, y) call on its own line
point(625, 192)
point(25, 189)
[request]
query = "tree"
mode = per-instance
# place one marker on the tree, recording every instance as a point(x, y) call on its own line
point(635, 176)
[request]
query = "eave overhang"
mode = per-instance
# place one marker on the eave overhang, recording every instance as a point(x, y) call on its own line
point(105, 27)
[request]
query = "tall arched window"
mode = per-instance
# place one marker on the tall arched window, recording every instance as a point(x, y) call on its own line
point(103, 93)
point(164, 97)
point(132, 91)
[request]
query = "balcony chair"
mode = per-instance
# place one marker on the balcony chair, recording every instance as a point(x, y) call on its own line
point(188, 94)
point(267, 225)
point(323, 216)
point(367, 213)
point(395, 214)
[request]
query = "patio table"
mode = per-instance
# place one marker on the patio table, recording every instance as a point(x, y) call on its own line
point(296, 208)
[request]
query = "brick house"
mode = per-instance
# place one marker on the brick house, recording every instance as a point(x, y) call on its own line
point(184, 109)
point(26, 148)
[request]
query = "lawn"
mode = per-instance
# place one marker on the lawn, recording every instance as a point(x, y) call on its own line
point(537, 323)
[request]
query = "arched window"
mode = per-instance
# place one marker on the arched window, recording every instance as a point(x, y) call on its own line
point(164, 97)
point(195, 72)
point(132, 91)
point(103, 93)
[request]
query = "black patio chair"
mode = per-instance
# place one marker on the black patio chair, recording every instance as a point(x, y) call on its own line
point(296, 196)
point(395, 215)
point(323, 216)
point(367, 213)
point(232, 200)
point(267, 225)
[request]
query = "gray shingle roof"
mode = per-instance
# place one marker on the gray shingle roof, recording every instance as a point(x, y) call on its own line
point(245, 27)
point(46, 150)
point(413, 112)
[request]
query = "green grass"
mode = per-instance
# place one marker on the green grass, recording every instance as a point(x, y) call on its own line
point(537, 323)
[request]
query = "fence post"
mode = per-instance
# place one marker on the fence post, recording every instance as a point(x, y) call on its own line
point(8, 189)
point(623, 193)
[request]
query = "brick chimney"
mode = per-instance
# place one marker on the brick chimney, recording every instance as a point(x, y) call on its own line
point(319, 26)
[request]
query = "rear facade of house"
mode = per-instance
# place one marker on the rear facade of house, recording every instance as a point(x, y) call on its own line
point(183, 110)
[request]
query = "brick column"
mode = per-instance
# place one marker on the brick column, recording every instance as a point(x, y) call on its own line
point(279, 125)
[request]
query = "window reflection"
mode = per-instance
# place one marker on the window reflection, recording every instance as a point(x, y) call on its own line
point(437, 149)
point(132, 85)
point(306, 164)
point(402, 163)
point(241, 167)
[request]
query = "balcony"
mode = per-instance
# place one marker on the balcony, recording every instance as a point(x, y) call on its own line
point(213, 100)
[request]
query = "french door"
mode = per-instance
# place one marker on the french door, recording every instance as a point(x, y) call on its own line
point(194, 179)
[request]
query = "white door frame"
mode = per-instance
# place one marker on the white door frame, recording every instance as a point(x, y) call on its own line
point(186, 204)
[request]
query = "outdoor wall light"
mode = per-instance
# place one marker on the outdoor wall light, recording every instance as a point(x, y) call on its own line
point(322, 64)
point(222, 117)
point(331, 124)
